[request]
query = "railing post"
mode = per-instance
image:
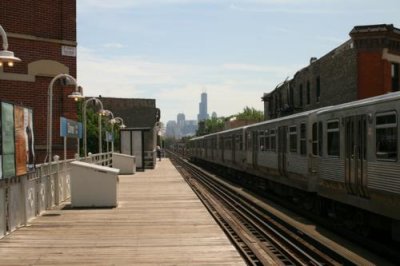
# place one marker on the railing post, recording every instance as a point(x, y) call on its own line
point(56, 180)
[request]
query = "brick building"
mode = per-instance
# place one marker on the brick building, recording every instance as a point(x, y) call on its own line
point(43, 35)
point(138, 114)
point(366, 65)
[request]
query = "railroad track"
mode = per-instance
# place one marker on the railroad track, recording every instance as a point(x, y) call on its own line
point(261, 238)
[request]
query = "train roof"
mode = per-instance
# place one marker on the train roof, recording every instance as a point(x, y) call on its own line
point(392, 96)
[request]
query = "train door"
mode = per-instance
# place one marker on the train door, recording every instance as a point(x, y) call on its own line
point(213, 147)
point(233, 148)
point(222, 143)
point(282, 150)
point(356, 155)
point(255, 148)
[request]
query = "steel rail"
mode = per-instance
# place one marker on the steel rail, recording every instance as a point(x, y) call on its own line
point(277, 240)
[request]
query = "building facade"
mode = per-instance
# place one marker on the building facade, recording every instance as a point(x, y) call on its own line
point(138, 115)
point(366, 65)
point(43, 35)
point(181, 127)
point(203, 115)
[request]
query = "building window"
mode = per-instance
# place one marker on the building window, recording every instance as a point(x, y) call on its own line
point(301, 95)
point(308, 93)
point(386, 136)
point(318, 91)
point(293, 139)
point(333, 138)
point(291, 96)
point(395, 77)
point(303, 140)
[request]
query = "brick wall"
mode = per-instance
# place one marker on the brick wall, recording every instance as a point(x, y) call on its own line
point(374, 75)
point(357, 69)
point(135, 112)
point(37, 30)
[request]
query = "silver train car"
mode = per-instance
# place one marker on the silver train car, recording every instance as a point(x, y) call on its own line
point(342, 160)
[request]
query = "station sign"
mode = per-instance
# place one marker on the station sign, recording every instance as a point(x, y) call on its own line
point(70, 128)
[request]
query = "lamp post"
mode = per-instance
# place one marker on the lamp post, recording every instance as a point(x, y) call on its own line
point(101, 111)
point(113, 121)
point(109, 113)
point(5, 55)
point(76, 95)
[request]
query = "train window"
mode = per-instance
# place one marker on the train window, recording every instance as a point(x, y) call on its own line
point(267, 141)
point(320, 138)
point(333, 138)
point(317, 139)
point(303, 140)
point(273, 139)
point(248, 137)
point(386, 136)
point(293, 139)
point(239, 142)
point(261, 141)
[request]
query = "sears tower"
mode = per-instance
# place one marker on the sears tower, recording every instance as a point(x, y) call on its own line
point(203, 115)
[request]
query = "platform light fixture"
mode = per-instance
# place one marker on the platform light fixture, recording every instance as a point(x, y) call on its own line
point(5, 55)
point(76, 94)
point(101, 112)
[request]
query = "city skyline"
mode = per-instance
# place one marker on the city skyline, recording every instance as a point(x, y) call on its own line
point(238, 50)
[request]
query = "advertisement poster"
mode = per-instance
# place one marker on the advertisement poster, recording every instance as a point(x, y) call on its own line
point(20, 141)
point(30, 141)
point(17, 156)
point(7, 126)
point(1, 148)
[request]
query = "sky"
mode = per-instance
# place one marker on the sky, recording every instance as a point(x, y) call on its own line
point(235, 50)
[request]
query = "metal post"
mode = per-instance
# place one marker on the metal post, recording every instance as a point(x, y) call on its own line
point(112, 137)
point(100, 148)
point(97, 101)
point(50, 112)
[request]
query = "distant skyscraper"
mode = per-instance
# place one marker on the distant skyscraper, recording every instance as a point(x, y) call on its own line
point(203, 115)
point(181, 120)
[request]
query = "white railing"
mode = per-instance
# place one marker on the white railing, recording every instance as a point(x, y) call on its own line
point(25, 197)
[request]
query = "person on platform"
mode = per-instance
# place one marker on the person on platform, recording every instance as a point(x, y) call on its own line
point(158, 149)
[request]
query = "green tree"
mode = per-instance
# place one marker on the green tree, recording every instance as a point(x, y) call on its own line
point(92, 130)
point(215, 124)
point(250, 114)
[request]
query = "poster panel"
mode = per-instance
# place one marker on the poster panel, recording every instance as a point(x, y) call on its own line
point(30, 140)
point(1, 152)
point(20, 141)
point(7, 124)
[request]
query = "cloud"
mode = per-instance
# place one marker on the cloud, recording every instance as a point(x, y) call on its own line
point(258, 68)
point(122, 4)
point(114, 45)
point(177, 87)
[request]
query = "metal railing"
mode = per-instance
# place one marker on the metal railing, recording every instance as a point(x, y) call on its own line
point(25, 197)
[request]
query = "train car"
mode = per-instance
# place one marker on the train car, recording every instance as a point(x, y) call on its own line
point(280, 150)
point(358, 158)
point(195, 147)
point(341, 161)
point(232, 148)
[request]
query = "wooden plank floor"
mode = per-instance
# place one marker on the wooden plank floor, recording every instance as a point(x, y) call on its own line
point(159, 221)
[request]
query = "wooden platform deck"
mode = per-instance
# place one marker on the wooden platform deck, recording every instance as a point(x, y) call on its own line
point(159, 221)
